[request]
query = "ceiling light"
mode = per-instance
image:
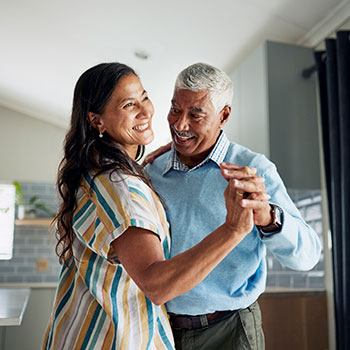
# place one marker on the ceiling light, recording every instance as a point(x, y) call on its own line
point(143, 55)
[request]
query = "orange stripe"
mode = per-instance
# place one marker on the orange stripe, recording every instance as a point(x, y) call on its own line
point(67, 312)
point(101, 237)
point(106, 288)
point(81, 203)
point(158, 342)
point(143, 318)
point(107, 343)
point(102, 215)
point(89, 232)
point(65, 286)
point(145, 203)
point(114, 196)
point(86, 324)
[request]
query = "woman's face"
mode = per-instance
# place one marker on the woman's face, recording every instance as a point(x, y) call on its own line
point(128, 115)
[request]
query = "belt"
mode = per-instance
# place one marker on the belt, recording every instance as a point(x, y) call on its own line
point(196, 322)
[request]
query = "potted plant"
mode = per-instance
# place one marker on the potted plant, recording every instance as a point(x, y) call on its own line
point(19, 200)
point(34, 205)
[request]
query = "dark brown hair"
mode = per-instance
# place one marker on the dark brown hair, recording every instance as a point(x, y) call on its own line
point(84, 150)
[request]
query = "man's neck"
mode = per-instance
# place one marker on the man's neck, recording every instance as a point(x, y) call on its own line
point(194, 160)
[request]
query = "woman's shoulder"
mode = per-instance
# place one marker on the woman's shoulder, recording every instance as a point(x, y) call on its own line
point(124, 185)
point(132, 183)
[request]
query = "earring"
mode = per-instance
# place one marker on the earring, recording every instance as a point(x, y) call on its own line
point(100, 135)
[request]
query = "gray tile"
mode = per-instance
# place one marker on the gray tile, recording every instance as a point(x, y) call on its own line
point(283, 281)
point(300, 281)
point(6, 269)
point(14, 279)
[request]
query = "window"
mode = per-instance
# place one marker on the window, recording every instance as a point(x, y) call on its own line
point(7, 220)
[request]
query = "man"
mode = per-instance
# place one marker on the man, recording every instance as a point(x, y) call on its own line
point(221, 312)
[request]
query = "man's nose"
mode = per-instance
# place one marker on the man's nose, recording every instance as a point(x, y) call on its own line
point(181, 123)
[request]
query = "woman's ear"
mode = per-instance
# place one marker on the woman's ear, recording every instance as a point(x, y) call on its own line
point(96, 121)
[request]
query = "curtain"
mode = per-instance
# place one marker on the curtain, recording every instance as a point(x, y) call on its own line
point(333, 68)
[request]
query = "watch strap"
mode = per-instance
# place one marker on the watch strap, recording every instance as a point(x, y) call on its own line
point(277, 221)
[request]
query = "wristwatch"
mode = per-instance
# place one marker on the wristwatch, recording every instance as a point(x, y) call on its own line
point(277, 221)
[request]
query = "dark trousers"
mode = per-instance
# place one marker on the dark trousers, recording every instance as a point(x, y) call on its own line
point(240, 331)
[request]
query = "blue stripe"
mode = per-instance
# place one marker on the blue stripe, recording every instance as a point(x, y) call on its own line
point(92, 240)
point(166, 248)
point(163, 335)
point(137, 191)
point(98, 330)
point(81, 211)
point(60, 307)
point(115, 315)
point(65, 271)
point(137, 223)
point(84, 218)
point(89, 269)
point(102, 201)
point(150, 321)
point(95, 278)
point(91, 327)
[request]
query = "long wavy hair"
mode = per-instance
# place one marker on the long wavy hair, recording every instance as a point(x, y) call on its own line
point(85, 150)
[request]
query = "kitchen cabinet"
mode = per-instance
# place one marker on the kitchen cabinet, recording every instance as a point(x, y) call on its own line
point(295, 320)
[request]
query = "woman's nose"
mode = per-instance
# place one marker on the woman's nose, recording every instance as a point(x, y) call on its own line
point(147, 109)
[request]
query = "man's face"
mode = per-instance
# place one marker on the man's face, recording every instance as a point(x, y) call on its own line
point(194, 124)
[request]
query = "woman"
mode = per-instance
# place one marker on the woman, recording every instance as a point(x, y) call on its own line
point(113, 238)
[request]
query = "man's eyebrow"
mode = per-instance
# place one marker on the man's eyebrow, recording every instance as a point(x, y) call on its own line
point(196, 109)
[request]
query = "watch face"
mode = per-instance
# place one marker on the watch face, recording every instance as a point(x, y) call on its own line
point(277, 215)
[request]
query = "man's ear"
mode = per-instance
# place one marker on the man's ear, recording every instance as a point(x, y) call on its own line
point(96, 121)
point(224, 115)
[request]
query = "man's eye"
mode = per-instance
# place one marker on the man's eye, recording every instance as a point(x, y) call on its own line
point(195, 116)
point(145, 98)
point(174, 110)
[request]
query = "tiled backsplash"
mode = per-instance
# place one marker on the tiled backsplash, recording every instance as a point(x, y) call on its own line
point(34, 259)
point(34, 247)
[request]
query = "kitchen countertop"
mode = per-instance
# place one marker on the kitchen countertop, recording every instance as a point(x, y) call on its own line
point(13, 302)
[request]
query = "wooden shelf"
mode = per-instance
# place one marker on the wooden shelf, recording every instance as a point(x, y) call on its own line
point(34, 222)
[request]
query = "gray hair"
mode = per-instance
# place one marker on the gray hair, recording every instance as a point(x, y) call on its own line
point(202, 76)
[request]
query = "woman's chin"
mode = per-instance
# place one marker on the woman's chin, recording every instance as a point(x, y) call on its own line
point(148, 140)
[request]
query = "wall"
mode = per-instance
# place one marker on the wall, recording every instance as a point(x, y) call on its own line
point(30, 150)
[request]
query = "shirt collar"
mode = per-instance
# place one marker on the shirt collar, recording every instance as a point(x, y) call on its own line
point(217, 155)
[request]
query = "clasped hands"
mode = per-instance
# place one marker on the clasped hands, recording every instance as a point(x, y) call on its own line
point(246, 198)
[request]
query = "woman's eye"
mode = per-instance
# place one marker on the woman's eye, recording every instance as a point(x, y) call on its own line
point(128, 105)
point(145, 98)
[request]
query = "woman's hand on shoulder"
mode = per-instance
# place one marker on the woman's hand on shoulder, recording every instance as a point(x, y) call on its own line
point(156, 153)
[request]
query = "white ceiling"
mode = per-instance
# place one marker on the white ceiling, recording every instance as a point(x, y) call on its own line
point(47, 44)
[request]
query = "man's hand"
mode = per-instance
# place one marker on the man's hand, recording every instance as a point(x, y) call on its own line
point(252, 190)
point(156, 153)
point(238, 218)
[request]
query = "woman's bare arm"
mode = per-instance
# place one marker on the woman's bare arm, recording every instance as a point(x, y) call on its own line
point(141, 254)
